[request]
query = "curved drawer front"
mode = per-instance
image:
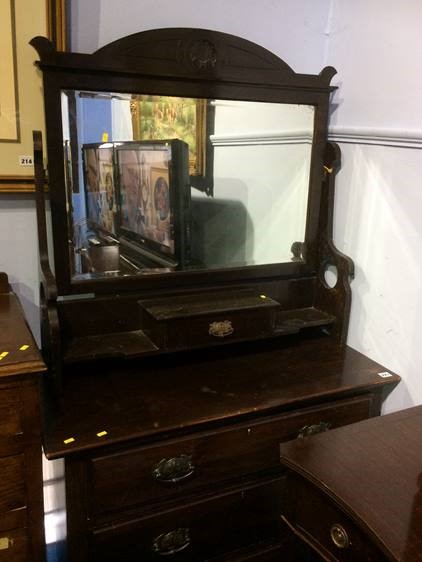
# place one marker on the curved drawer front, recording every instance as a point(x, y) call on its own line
point(175, 469)
point(197, 531)
point(324, 526)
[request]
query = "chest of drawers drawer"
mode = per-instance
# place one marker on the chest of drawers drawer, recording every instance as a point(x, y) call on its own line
point(13, 510)
point(181, 467)
point(10, 415)
point(321, 523)
point(196, 531)
point(21, 508)
point(12, 483)
point(14, 546)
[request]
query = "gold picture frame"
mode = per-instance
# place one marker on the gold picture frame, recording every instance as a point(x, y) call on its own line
point(9, 111)
point(50, 20)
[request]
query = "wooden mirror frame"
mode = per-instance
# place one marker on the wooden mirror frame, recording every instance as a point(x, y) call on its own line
point(87, 320)
point(182, 62)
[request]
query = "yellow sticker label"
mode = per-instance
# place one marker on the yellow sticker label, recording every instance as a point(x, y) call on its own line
point(4, 354)
point(104, 138)
point(23, 347)
point(5, 542)
point(101, 433)
point(70, 440)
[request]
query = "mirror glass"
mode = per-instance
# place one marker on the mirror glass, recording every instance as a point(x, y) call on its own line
point(160, 184)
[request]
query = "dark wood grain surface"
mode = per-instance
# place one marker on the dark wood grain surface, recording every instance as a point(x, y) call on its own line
point(150, 398)
point(18, 351)
point(373, 470)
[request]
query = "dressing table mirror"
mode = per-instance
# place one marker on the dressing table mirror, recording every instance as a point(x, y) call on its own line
point(184, 161)
point(189, 325)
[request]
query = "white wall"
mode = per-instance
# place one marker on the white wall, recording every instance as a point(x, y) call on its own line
point(289, 27)
point(376, 47)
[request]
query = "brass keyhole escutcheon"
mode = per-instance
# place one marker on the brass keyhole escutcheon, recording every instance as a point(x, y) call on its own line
point(339, 536)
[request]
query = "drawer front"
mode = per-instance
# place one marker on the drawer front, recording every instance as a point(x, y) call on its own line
point(325, 527)
point(262, 552)
point(195, 532)
point(217, 328)
point(175, 469)
point(13, 546)
point(12, 487)
point(10, 418)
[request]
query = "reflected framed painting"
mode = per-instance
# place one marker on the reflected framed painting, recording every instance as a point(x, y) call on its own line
point(188, 119)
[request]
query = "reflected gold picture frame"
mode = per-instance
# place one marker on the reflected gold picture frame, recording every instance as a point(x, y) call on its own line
point(196, 134)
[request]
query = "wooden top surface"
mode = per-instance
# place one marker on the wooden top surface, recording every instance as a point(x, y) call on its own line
point(149, 397)
point(18, 351)
point(186, 306)
point(373, 469)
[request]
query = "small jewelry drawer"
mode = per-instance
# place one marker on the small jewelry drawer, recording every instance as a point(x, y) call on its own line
point(174, 469)
point(196, 531)
point(319, 522)
point(208, 318)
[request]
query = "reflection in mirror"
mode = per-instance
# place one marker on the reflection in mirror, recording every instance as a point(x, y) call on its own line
point(158, 184)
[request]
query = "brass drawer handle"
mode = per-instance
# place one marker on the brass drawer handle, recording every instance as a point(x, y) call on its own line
point(5, 543)
point(174, 470)
point(172, 542)
point(221, 329)
point(339, 536)
point(313, 429)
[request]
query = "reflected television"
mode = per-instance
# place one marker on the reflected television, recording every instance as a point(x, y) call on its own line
point(100, 189)
point(153, 217)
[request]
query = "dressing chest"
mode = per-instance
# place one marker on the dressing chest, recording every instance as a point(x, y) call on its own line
point(191, 324)
point(182, 458)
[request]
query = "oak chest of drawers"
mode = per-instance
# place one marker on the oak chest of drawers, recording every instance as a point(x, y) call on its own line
point(21, 505)
point(179, 458)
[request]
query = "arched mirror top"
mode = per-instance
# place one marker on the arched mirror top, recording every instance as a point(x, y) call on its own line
point(187, 53)
point(182, 158)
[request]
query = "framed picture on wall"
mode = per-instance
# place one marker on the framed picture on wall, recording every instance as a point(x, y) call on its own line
point(9, 115)
point(21, 100)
